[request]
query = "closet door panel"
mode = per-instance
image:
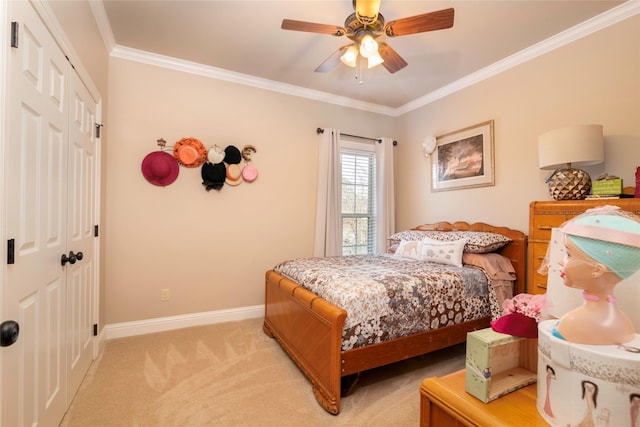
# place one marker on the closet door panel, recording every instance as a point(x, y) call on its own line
point(81, 218)
point(36, 156)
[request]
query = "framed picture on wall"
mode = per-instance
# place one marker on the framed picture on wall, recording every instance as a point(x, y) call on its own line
point(463, 159)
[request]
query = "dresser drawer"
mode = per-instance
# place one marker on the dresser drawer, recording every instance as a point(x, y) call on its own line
point(538, 282)
point(541, 226)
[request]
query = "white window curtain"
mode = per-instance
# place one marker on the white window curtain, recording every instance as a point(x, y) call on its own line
point(328, 235)
point(385, 221)
point(328, 232)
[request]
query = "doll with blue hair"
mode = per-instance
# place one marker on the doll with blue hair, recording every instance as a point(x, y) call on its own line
point(602, 249)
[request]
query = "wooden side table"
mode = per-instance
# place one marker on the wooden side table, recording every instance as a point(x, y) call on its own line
point(445, 403)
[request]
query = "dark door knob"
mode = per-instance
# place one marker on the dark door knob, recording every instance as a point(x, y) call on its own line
point(71, 259)
point(79, 256)
point(9, 331)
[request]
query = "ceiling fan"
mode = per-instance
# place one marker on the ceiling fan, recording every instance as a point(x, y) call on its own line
point(364, 26)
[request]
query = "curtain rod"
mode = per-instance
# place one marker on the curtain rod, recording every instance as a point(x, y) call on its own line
point(320, 130)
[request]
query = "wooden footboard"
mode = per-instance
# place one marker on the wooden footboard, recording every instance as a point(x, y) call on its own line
point(310, 331)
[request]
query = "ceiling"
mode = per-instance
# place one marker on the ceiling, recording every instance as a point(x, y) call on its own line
point(245, 37)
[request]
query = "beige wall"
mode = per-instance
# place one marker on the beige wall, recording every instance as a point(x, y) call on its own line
point(595, 80)
point(210, 249)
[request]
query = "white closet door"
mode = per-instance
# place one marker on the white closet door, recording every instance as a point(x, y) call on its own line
point(81, 218)
point(50, 178)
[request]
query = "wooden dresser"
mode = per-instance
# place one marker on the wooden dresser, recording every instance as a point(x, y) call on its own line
point(543, 216)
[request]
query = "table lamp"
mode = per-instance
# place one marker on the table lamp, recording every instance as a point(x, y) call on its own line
point(561, 150)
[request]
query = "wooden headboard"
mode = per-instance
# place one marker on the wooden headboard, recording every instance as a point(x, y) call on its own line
point(516, 251)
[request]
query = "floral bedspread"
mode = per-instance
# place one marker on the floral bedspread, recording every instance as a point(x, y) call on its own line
point(388, 297)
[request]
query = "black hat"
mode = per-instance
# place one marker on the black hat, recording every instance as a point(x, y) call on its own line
point(213, 175)
point(232, 155)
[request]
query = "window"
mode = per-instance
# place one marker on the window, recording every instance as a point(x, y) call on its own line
point(358, 162)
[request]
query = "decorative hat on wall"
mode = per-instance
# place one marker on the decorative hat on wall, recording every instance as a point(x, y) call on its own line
point(249, 172)
point(234, 174)
point(215, 154)
point(213, 175)
point(232, 155)
point(190, 152)
point(160, 168)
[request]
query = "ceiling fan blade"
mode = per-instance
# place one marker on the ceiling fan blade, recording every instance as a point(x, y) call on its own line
point(392, 61)
point(311, 27)
point(331, 62)
point(420, 23)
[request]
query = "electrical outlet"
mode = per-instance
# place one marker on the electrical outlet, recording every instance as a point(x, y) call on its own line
point(164, 295)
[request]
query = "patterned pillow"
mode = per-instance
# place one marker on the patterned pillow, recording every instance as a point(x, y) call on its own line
point(478, 242)
point(432, 251)
point(409, 249)
point(443, 252)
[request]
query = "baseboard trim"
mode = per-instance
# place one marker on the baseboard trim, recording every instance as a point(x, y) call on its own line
point(149, 326)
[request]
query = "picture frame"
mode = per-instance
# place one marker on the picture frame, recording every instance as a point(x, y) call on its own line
point(464, 158)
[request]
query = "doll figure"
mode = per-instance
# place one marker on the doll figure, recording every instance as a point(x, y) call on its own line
point(602, 249)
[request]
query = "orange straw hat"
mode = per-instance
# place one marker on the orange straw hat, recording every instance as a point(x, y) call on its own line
point(234, 174)
point(190, 152)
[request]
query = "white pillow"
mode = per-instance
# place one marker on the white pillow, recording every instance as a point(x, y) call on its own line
point(409, 249)
point(449, 253)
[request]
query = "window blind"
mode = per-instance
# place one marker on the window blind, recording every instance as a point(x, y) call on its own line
point(358, 203)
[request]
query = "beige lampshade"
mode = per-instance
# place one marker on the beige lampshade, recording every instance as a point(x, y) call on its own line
point(577, 145)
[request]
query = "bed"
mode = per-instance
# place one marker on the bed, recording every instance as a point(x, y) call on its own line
point(310, 328)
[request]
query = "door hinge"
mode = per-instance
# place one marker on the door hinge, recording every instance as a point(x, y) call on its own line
point(95, 329)
point(98, 126)
point(96, 231)
point(11, 248)
point(14, 34)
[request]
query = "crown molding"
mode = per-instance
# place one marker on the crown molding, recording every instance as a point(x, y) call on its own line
point(590, 26)
point(244, 79)
point(100, 15)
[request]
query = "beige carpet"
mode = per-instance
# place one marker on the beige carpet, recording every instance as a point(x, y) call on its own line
point(231, 374)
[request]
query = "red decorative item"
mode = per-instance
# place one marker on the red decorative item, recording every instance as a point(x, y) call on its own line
point(638, 182)
point(516, 324)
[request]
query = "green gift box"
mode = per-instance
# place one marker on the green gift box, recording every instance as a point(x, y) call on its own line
point(497, 363)
point(606, 186)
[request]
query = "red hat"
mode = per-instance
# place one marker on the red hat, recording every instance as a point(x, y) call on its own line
point(516, 324)
point(160, 168)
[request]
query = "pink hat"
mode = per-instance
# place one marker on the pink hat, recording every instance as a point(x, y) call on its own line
point(160, 168)
point(249, 173)
point(516, 324)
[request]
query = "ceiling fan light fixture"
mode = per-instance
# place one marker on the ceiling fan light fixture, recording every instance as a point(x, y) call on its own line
point(368, 46)
point(350, 56)
point(367, 11)
point(374, 60)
